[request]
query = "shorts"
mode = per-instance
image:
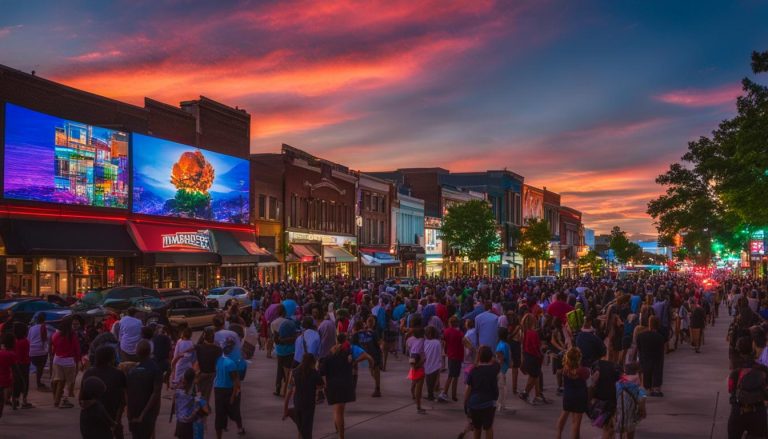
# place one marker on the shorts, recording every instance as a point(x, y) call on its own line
point(482, 418)
point(416, 374)
point(63, 373)
point(454, 368)
point(531, 365)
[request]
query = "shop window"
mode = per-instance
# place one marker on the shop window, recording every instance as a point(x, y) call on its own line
point(367, 201)
point(381, 232)
point(272, 212)
point(262, 206)
point(375, 203)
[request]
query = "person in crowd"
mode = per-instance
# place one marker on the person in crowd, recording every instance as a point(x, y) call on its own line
point(630, 402)
point(575, 393)
point(284, 333)
point(95, 420)
point(605, 375)
point(592, 348)
point(21, 378)
point(226, 389)
point(454, 352)
point(504, 358)
point(161, 350)
point(7, 367)
point(113, 398)
point(65, 349)
point(39, 344)
point(532, 360)
point(432, 361)
point(188, 406)
point(367, 339)
point(416, 360)
point(207, 353)
point(336, 369)
point(144, 386)
point(304, 383)
point(515, 331)
point(183, 356)
point(698, 323)
point(481, 393)
point(129, 335)
point(651, 346)
point(486, 326)
point(308, 342)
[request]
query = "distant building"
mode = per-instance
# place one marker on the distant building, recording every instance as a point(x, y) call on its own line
point(653, 247)
point(589, 238)
point(602, 243)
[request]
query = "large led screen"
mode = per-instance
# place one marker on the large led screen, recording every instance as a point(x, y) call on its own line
point(55, 160)
point(171, 179)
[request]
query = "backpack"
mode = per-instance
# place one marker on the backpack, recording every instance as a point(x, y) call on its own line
point(750, 389)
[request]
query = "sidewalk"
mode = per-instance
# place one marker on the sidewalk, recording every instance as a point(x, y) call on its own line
point(692, 382)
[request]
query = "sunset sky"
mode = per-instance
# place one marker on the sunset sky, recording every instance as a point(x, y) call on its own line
point(591, 99)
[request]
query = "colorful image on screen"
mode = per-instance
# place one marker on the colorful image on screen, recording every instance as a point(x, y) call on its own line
point(55, 160)
point(171, 179)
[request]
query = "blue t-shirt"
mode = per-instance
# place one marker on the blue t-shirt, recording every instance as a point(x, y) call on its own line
point(503, 347)
point(224, 367)
point(398, 312)
point(311, 339)
point(357, 351)
point(287, 329)
point(487, 325)
point(290, 306)
point(634, 303)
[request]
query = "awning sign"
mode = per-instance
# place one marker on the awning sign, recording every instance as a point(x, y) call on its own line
point(198, 240)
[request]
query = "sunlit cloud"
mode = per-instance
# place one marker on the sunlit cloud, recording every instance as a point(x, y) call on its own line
point(723, 95)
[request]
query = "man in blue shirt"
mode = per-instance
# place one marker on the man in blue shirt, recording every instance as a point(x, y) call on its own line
point(307, 342)
point(226, 388)
point(285, 349)
point(487, 327)
point(290, 306)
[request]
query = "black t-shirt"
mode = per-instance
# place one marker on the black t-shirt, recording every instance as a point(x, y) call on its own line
point(485, 387)
point(306, 387)
point(161, 347)
point(207, 354)
point(605, 388)
point(115, 381)
point(698, 318)
point(141, 381)
point(650, 346)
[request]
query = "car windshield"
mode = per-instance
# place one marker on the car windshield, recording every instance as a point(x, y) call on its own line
point(218, 291)
point(6, 305)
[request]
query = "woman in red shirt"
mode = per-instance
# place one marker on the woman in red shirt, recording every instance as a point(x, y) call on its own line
point(66, 354)
point(7, 365)
point(21, 378)
point(532, 359)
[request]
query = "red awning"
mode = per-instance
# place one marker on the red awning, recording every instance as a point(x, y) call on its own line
point(164, 238)
point(305, 253)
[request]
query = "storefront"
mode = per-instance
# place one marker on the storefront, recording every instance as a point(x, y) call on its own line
point(61, 257)
point(412, 259)
point(315, 254)
point(188, 256)
point(378, 264)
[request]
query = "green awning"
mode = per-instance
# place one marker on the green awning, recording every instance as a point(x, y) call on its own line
point(332, 253)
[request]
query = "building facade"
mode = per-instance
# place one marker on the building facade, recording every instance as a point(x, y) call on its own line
point(98, 193)
point(552, 216)
point(374, 207)
point(408, 230)
point(571, 241)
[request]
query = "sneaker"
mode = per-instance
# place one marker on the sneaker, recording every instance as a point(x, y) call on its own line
point(66, 405)
point(376, 394)
point(442, 397)
point(559, 391)
point(523, 396)
point(421, 411)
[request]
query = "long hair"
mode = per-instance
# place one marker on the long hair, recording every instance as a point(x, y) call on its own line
point(572, 360)
point(306, 366)
point(65, 327)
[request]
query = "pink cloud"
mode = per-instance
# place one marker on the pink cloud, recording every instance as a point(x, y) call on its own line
point(94, 56)
point(695, 98)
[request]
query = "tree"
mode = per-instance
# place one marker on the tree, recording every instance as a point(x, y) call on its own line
point(718, 191)
point(622, 248)
point(534, 240)
point(592, 262)
point(470, 229)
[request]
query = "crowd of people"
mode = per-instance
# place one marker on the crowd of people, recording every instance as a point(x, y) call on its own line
point(604, 340)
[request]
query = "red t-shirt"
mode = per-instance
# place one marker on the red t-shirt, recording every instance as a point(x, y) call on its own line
point(64, 348)
point(442, 312)
point(7, 360)
point(22, 351)
point(454, 345)
point(558, 310)
point(532, 344)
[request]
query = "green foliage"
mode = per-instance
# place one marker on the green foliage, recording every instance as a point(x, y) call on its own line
point(593, 262)
point(470, 229)
point(622, 248)
point(719, 188)
point(534, 240)
point(192, 203)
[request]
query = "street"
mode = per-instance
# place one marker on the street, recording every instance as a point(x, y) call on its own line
point(692, 384)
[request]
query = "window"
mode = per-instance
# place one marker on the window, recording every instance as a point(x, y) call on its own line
point(294, 220)
point(262, 206)
point(367, 201)
point(381, 232)
point(516, 207)
point(375, 202)
point(367, 231)
point(272, 208)
point(383, 207)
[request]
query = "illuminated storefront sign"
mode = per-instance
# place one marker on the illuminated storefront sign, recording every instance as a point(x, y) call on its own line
point(199, 240)
point(757, 247)
point(337, 240)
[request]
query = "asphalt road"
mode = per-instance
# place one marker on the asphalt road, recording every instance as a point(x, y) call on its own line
point(693, 385)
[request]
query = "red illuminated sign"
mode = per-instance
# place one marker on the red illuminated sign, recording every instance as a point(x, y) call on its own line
point(757, 247)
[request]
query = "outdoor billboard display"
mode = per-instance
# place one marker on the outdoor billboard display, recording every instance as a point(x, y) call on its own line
point(56, 160)
point(533, 203)
point(172, 179)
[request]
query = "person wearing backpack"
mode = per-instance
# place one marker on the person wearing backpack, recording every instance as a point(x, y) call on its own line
point(748, 387)
point(630, 402)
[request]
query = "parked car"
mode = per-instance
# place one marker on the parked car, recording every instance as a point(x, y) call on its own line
point(190, 309)
point(24, 308)
point(118, 297)
point(225, 295)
